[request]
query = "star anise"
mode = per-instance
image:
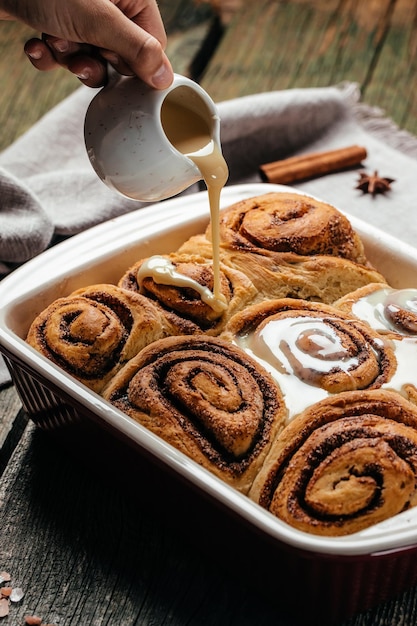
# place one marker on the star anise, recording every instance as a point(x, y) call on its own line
point(373, 184)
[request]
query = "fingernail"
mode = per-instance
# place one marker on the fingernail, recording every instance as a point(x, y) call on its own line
point(162, 77)
point(35, 54)
point(61, 45)
point(85, 75)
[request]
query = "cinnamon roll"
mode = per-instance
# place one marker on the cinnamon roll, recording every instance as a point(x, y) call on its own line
point(208, 399)
point(389, 311)
point(182, 286)
point(346, 463)
point(286, 275)
point(393, 314)
point(312, 349)
point(92, 332)
point(289, 222)
point(319, 278)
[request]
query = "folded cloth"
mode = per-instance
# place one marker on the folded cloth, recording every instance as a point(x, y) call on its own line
point(49, 189)
point(21, 212)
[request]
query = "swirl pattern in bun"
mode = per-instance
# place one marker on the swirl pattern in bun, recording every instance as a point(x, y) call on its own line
point(312, 349)
point(346, 463)
point(184, 291)
point(289, 222)
point(208, 399)
point(391, 312)
point(92, 332)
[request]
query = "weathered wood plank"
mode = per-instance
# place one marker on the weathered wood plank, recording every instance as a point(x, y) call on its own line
point(183, 15)
point(349, 46)
point(25, 93)
point(392, 83)
point(281, 45)
point(12, 423)
point(86, 550)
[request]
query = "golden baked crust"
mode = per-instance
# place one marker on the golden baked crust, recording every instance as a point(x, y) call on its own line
point(319, 277)
point(92, 332)
point(346, 463)
point(183, 305)
point(208, 399)
point(315, 343)
point(213, 382)
point(289, 222)
point(392, 312)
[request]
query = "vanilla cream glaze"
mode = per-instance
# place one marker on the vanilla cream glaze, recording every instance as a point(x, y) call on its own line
point(381, 307)
point(163, 272)
point(191, 135)
point(296, 351)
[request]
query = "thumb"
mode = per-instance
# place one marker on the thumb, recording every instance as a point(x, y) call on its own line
point(138, 48)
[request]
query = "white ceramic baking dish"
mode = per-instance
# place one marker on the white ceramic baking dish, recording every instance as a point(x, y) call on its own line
point(54, 399)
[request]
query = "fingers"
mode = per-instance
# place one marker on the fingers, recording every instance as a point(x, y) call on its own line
point(40, 55)
point(51, 52)
point(141, 51)
point(134, 32)
point(129, 34)
point(146, 15)
point(90, 70)
point(152, 65)
point(115, 61)
point(82, 60)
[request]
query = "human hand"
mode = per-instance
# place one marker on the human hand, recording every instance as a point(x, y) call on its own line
point(84, 35)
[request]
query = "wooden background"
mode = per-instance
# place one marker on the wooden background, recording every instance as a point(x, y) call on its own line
point(301, 43)
point(266, 45)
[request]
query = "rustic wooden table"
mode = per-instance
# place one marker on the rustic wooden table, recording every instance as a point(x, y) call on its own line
point(88, 538)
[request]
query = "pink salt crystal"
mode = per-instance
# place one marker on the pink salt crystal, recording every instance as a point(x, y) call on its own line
point(4, 607)
point(5, 577)
point(16, 594)
point(5, 591)
point(33, 620)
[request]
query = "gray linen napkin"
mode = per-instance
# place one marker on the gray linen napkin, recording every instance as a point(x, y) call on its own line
point(48, 188)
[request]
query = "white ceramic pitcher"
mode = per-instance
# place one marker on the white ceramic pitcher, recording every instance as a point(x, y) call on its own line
point(126, 142)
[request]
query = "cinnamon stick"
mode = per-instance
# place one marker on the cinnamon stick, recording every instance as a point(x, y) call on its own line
point(312, 165)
